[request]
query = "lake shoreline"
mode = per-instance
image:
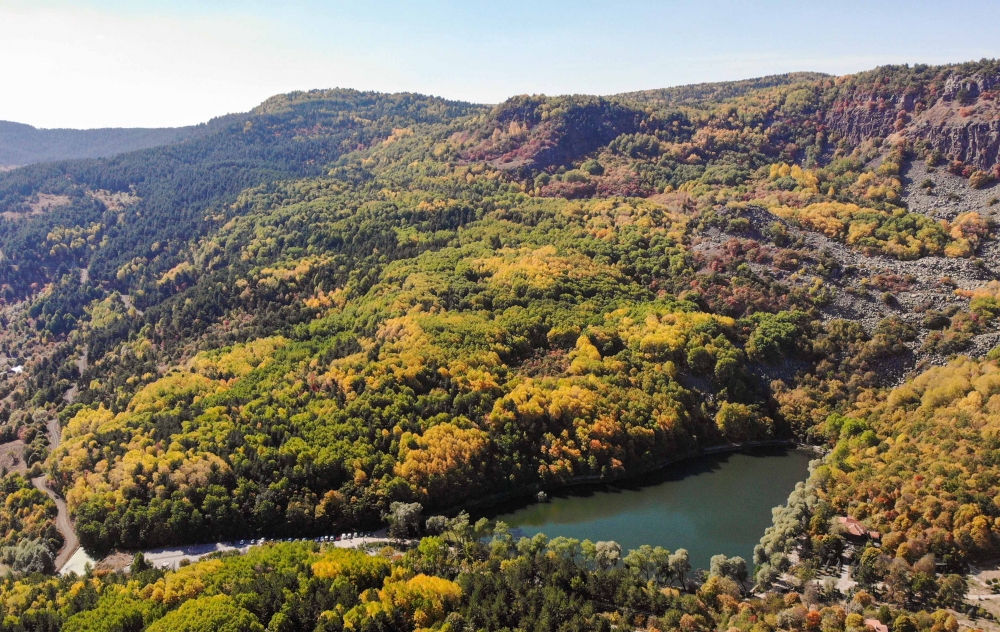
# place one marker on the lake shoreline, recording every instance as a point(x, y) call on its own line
point(718, 503)
point(481, 505)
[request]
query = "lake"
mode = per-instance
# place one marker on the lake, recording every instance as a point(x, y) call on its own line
point(707, 505)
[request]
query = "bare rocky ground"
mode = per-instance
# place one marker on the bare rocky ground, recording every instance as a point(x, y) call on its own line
point(917, 286)
point(949, 196)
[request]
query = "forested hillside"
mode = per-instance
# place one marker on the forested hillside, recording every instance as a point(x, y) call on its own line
point(342, 300)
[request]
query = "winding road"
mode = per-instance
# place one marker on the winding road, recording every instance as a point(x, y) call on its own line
point(63, 523)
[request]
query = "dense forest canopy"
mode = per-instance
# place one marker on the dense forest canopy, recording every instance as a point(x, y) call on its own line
point(345, 303)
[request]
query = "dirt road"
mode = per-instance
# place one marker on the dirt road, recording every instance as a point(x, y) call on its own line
point(63, 523)
point(54, 432)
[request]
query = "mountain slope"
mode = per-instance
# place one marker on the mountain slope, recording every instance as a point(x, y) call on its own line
point(343, 300)
point(174, 192)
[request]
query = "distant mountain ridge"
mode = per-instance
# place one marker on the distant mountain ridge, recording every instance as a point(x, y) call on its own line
point(22, 144)
point(692, 94)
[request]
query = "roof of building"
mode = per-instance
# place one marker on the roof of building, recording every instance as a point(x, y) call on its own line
point(876, 625)
point(855, 528)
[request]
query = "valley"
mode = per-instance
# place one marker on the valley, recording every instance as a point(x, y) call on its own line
point(344, 311)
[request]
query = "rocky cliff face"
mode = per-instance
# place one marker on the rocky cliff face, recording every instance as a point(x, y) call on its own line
point(974, 140)
point(977, 145)
point(960, 117)
point(958, 86)
point(864, 117)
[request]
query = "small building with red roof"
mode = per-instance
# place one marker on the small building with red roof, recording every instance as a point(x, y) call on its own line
point(855, 530)
point(876, 625)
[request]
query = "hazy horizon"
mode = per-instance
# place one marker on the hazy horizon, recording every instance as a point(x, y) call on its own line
point(108, 63)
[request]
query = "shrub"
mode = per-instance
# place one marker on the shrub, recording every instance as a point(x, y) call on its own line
point(773, 334)
point(739, 225)
point(29, 556)
point(980, 179)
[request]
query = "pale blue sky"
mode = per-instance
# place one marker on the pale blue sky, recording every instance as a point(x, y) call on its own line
point(115, 63)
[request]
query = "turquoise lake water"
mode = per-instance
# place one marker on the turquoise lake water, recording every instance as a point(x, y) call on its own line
point(710, 505)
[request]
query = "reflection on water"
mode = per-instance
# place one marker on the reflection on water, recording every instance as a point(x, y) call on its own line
point(710, 505)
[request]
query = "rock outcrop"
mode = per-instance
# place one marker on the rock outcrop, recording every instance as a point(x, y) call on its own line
point(958, 116)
